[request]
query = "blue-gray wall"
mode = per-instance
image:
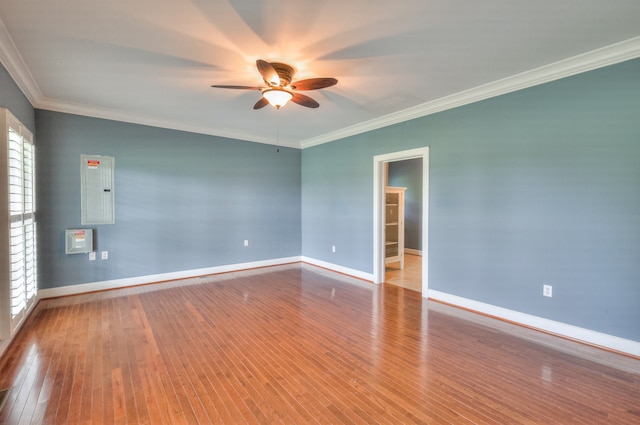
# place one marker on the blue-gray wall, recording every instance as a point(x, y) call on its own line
point(408, 173)
point(12, 98)
point(183, 201)
point(536, 187)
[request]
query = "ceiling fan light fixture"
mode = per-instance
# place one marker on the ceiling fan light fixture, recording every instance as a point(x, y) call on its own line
point(281, 88)
point(277, 97)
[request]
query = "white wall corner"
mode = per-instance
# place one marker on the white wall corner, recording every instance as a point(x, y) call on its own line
point(340, 269)
point(15, 65)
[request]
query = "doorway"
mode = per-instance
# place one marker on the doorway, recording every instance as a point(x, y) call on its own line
point(380, 162)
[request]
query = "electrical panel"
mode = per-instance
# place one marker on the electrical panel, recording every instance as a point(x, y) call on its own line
point(97, 189)
point(78, 241)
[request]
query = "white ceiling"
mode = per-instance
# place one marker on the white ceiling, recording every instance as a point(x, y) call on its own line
point(153, 61)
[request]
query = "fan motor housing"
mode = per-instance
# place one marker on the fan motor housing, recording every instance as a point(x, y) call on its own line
point(285, 72)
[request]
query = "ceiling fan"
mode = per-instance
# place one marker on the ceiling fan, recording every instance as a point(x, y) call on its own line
point(279, 87)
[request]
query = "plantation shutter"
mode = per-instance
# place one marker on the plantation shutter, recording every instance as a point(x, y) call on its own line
point(22, 259)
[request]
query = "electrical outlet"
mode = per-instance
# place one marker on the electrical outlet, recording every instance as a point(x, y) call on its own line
point(246, 242)
point(333, 248)
point(92, 256)
point(547, 290)
point(104, 255)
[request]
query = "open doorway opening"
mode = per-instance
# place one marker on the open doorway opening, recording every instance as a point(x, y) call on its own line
point(403, 223)
point(382, 163)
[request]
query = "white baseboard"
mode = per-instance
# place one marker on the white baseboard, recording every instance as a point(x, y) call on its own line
point(143, 280)
point(580, 334)
point(340, 269)
point(569, 331)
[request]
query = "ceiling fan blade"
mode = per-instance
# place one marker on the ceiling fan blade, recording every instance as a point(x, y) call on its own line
point(217, 86)
point(261, 103)
point(268, 72)
point(313, 83)
point(303, 100)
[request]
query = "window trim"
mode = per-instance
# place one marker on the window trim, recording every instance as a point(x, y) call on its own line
point(10, 322)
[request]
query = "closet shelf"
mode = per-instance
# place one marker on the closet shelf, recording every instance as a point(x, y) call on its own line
point(394, 228)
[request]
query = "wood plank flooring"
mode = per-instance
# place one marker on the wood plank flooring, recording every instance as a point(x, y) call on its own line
point(410, 277)
point(299, 345)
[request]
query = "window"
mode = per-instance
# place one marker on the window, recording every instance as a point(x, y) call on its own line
point(19, 286)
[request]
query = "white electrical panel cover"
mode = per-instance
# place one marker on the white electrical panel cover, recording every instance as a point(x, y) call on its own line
point(78, 241)
point(97, 187)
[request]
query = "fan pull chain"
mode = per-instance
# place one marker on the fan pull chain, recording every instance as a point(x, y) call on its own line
point(278, 130)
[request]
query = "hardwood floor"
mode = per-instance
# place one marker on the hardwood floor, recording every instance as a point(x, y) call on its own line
point(410, 277)
point(295, 345)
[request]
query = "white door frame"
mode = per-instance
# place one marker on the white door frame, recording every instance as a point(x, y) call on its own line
point(379, 162)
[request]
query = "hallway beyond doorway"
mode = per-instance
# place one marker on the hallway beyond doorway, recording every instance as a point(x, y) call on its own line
point(410, 277)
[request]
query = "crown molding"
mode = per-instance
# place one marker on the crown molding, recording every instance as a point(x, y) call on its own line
point(629, 49)
point(127, 117)
point(609, 55)
point(16, 67)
